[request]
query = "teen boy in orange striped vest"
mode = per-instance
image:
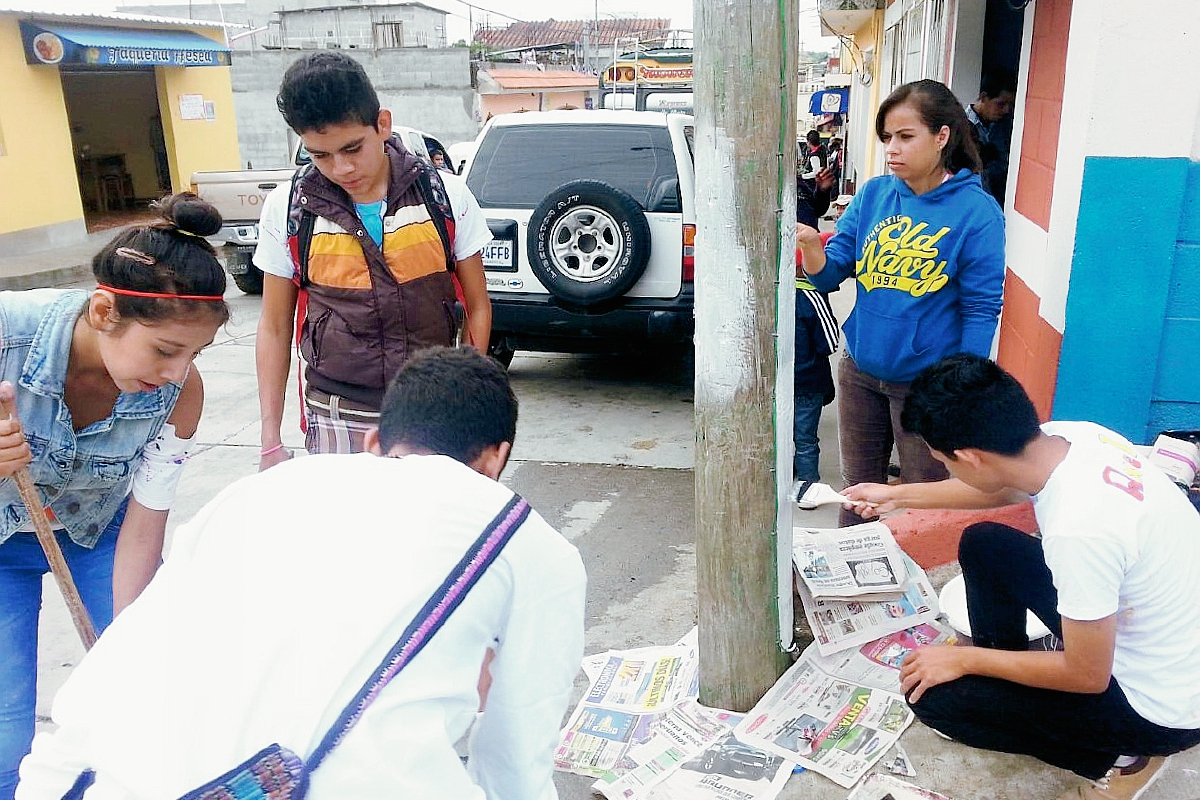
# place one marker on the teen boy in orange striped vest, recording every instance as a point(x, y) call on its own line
point(359, 255)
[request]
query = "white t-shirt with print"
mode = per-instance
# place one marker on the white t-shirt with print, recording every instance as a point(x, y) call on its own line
point(272, 255)
point(1120, 538)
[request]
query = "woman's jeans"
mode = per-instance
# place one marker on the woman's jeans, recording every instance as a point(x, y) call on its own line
point(868, 426)
point(1006, 573)
point(22, 565)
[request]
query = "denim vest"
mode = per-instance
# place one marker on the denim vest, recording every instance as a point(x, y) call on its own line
point(82, 477)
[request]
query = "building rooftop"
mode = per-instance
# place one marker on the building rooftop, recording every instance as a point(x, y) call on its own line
point(538, 79)
point(556, 32)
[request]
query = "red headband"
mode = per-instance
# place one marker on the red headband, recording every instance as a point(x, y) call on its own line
point(162, 295)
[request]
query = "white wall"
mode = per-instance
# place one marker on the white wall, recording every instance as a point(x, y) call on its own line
point(1113, 108)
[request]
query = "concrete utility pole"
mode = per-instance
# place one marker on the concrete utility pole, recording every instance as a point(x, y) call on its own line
point(745, 93)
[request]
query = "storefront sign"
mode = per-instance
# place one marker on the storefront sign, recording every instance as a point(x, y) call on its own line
point(120, 47)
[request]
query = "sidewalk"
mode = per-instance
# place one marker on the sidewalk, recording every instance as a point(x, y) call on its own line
point(53, 267)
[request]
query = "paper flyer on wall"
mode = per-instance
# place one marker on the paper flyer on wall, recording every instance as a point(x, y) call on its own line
point(877, 663)
point(841, 624)
point(829, 725)
point(878, 786)
point(858, 561)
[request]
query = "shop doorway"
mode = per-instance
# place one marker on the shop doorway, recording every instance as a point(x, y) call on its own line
point(117, 137)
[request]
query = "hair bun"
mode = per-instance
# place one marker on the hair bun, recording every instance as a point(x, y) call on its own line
point(190, 214)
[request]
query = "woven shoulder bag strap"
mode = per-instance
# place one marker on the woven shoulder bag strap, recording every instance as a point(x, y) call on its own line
point(436, 611)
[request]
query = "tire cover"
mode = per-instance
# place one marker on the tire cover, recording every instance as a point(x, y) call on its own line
point(560, 225)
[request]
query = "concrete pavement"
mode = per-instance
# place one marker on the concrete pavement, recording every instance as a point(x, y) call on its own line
point(604, 452)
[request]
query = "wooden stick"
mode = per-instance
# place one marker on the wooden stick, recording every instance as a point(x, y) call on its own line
point(54, 556)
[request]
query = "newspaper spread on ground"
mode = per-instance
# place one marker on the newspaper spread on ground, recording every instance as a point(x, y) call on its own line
point(832, 726)
point(877, 663)
point(645, 680)
point(858, 561)
point(878, 786)
point(841, 624)
point(629, 691)
point(728, 770)
point(692, 754)
point(676, 736)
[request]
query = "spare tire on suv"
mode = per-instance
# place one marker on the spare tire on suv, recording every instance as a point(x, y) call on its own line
point(589, 242)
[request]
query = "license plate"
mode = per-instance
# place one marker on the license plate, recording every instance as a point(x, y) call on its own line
point(501, 255)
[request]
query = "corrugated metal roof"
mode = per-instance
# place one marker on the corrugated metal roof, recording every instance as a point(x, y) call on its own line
point(108, 18)
point(537, 79)
point(534, 34)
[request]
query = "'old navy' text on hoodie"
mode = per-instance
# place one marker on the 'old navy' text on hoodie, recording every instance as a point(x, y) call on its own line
point(928, 270)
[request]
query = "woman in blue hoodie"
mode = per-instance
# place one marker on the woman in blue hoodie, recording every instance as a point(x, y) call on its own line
point(925, 246)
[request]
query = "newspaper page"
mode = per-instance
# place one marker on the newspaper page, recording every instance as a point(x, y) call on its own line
point(878, 786)
point(728, 770)
point(858, 561)
point(649, 679)
point(832, 726)
point(676, 736)
point(595, 739)
point(841, 624)
point(629, 691)
point(877, 663)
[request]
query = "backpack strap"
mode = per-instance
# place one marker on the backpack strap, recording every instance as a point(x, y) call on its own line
point(441, 604)
point(437, 202)
point(301, 223)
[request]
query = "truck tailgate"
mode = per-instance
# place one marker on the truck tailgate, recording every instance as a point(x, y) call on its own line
point(239, 195)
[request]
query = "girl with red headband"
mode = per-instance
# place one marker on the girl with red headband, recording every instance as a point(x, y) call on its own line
point(107, 401)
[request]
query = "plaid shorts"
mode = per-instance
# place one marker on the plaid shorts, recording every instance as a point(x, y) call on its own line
point(335, 425)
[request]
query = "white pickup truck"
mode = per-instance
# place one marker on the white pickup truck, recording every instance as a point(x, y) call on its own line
point(239, 195)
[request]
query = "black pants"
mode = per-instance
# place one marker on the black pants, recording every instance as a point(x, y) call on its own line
point(1006, 574)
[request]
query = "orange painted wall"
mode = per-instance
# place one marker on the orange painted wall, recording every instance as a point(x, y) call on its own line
point(1043, 110)
point(1029, 346)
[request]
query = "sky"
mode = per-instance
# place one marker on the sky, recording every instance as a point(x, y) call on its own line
point(494, 12)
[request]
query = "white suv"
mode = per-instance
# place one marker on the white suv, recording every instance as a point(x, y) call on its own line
point(593, 218)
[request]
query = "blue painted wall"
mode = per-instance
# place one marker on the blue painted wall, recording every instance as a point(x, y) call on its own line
point(1130, 355)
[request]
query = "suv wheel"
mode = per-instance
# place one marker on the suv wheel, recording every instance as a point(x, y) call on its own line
point(589, 242)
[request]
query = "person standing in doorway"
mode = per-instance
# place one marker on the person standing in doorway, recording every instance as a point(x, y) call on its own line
point(991, 118)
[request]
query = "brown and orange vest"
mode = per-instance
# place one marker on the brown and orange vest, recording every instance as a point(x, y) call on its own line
point(365, 310)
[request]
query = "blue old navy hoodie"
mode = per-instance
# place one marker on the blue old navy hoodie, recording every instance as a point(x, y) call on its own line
point(928, 269)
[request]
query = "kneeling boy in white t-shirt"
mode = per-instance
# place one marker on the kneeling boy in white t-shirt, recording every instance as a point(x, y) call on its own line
point(1115, 575)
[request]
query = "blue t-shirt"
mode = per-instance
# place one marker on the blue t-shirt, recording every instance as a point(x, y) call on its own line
point(371, 215)
point(928, 269)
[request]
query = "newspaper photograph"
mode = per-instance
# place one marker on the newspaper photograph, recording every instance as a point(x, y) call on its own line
point(728, 770)
point(861, 560)
point(841, 624)
point(675, 737)
point(878, 786)
point(877, 663)
point(832, 726)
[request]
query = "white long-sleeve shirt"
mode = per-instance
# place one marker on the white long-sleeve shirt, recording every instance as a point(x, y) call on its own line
point(278, 601)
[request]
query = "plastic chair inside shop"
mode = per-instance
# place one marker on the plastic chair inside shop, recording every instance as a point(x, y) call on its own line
point(114, 183)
